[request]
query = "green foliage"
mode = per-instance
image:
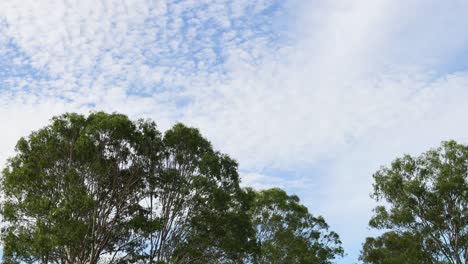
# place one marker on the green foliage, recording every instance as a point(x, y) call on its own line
point(195, 199)
point(288, 233)
point(70, 190)
point(427, 196)
point(105, 189)
point(393, 248)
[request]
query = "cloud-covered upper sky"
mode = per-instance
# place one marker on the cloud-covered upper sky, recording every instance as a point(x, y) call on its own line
point(312, 96)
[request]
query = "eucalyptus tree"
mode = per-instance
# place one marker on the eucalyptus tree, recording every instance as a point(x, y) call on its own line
point(287, 233)
point(427, 197)
point(72, 190)
point(196, 210)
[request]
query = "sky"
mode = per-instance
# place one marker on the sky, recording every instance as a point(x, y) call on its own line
point(308, 95)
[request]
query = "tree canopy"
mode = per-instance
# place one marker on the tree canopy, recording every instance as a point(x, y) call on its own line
point(426, 207)
point(288, 233)
point(105, 189)
point(394, 248)
point(71, 190)
point(194, 203)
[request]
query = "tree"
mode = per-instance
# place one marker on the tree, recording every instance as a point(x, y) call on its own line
point(426, 197)
point(71, 190)
point(287, 233)
point(196, 209)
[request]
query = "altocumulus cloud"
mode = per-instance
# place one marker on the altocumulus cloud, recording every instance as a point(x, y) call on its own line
point(312, 96)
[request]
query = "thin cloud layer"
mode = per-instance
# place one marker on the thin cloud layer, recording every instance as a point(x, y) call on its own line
point(306, 86)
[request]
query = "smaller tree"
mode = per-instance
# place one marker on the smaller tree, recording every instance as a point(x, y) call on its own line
point(195, 208)
point(426, 203)
point(394, 248)
point(288, 233)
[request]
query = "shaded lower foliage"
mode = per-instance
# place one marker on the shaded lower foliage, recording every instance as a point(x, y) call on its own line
point(394, 248)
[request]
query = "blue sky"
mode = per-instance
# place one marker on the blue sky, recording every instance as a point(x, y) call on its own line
point(312, 96)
